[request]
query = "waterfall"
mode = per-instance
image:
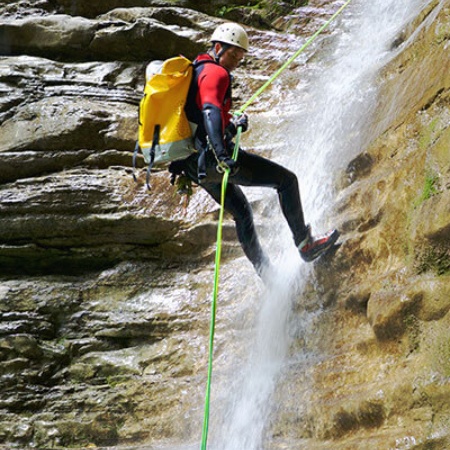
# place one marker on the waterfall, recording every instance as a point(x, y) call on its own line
point(323, 123)
point(339, 100)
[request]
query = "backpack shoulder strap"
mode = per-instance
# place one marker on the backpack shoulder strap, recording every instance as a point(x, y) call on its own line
point(203, 61)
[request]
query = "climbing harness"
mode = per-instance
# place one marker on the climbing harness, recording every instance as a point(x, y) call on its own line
point(221, 215)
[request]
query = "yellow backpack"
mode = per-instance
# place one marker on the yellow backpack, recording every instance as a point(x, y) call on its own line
point(165, 134)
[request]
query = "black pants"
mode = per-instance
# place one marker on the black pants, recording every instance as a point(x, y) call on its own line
point(253, 170)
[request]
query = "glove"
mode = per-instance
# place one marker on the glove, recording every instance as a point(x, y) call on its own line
point(176, 168)
point(241, 121)
point(236, 122)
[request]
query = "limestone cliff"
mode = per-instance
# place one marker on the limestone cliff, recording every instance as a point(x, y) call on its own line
point(105, 288)
point(385, 382)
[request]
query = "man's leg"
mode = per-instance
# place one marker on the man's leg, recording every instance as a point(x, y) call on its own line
point(257, 171)
point(238, 206)
point(263, 172)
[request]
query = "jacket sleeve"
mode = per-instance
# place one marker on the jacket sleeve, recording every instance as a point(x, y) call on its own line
point(214, 83)
point(212, 117)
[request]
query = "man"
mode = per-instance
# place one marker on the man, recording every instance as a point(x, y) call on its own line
point(208, 106)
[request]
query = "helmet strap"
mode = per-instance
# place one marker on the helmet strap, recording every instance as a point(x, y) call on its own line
point(224, 48)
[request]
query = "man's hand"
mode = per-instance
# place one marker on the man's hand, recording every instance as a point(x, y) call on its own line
point(241, 121)
point(236, 122)
point(227, 163)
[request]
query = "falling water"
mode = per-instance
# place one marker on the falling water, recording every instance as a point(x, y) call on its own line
point(333, 104)
point(337, 111)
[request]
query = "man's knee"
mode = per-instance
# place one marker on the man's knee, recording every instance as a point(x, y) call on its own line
point(289, 181)
point(243, 214)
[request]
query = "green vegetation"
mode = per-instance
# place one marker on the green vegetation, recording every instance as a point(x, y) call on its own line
point(434, 258)
point(267, 10)
point(224, 10)
point(427, 135)
point(278, 7)
point(430, 188)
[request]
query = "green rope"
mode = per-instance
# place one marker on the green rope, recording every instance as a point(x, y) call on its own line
point(292, 58)
point(216, 293)
point(220, 223)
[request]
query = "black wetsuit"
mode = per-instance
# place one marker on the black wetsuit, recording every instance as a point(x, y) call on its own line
point(252, 170)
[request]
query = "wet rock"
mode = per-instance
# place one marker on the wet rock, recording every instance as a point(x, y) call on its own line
point(436, 229)
point(136, 342)
point(89, 9)
point(357, 301)
point(435, 297)
point(18, 322)
point(54, 36)
point(89, 209)
point(359, 167)
point(388, 312)
point(368, 414)
point(20, 344)
point(65, 37)
point(56, 123)
point(144, 39)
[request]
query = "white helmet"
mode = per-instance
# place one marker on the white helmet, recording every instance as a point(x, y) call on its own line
point(231, 33)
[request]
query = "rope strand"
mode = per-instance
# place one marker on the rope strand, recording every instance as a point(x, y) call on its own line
point(290, 60)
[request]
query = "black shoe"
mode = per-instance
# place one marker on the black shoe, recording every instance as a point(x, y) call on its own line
point(313, 247)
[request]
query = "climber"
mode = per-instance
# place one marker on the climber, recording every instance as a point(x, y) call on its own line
point(208, 106)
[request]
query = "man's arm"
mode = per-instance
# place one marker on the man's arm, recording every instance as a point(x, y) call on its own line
point(213, 86)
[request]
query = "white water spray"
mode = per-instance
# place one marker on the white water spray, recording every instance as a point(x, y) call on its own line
point(331, 127)
point(334, 125)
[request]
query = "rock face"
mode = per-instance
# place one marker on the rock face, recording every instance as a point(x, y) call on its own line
point(105, 288)
point(386, 376)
